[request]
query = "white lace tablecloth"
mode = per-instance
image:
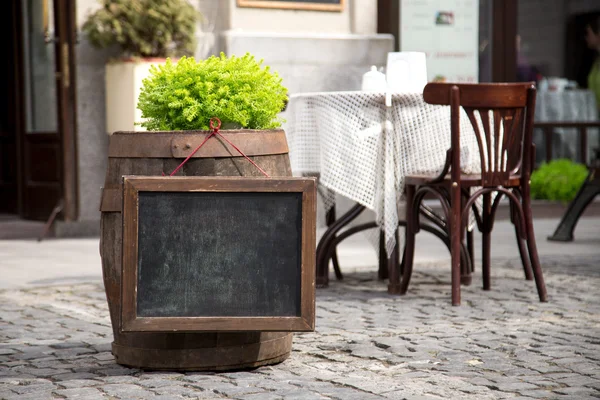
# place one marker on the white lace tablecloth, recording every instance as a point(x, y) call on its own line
point(363, 150)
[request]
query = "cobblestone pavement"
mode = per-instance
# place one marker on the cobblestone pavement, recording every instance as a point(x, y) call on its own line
point(502, 344)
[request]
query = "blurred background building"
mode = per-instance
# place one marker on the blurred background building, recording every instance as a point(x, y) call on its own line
point(53, 138)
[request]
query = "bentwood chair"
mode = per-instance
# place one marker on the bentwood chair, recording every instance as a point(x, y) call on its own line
point(502, 120)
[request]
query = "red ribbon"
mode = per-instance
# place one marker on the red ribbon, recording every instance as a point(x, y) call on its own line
point(215, 124)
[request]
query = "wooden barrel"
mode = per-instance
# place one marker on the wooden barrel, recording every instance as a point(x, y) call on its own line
point(152, 154)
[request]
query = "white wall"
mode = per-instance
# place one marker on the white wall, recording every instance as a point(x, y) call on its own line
point(91, 132)
point(358, 16)
point(84, 8)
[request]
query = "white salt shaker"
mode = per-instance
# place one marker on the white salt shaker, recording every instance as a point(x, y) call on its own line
point(374, 81)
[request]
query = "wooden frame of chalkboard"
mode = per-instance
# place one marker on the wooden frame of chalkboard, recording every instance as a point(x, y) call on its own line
point(313, 5)
point(151, 229)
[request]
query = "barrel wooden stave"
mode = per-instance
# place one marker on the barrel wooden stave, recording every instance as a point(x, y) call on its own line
point(268, 349)
point(185, 350)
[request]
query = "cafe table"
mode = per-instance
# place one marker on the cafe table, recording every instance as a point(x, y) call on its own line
point(565, 106)
point(361, 145)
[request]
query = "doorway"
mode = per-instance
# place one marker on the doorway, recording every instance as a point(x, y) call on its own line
point(37, 141)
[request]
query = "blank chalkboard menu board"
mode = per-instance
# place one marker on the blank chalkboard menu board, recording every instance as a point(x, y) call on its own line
point(218, 253)
point(318, 5)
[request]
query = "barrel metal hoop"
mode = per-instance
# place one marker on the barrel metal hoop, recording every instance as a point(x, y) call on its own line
point(181, 144)
point(111, 199)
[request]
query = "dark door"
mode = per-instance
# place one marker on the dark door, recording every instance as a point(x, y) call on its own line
point(580, 58)
point(44, 102)
point(9, 194)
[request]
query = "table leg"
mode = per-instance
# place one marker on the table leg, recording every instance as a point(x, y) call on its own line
point(383, 272)
point(394, 269)
point(588, 191)
point(329, 220)
point(389, 267)
point(322, 278)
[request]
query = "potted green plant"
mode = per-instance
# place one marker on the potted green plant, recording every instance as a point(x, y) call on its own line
point(177, 102)
point(147, 32)
point(187, 94)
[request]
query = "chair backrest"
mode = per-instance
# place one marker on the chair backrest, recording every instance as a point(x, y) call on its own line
point(502, 118)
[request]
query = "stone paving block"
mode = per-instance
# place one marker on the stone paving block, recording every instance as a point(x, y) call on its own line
point(160, 375)
point(41, 395)
point(74, 376)
point(43, 372)
point(32, 355)
point(539, 394)
point(5, 393)
point(236, 391)
point(78, 383)
point(126, 390)
point(578, 392)
point(178, 390)
point(512, 387)
point(197, 377)
point(151, 383)
point(112, 379)
point(300, 394)
point(218, 387)
point(262, 396)
point(84, 393)
point(116, 370)
point(578, 381)
point(104, 356)
point(6, 351)
point(67, 345)
point(585, 367)
point(594, 385)
point(345, 393)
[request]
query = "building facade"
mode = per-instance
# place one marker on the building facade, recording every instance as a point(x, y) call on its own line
point(53, 138)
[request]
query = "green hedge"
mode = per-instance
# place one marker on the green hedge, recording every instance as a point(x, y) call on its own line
point(558, 180)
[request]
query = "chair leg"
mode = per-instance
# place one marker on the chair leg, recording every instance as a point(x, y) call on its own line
point(521, 243)
point(486, 240)
point(456, 231)
point(533, 253)
point(330, 220)
point(469, 268)
point(471, 248)
point(409, 246)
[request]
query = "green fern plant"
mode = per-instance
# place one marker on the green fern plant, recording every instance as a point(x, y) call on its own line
point(558, 180)
point(187, 94)
point(144, 28)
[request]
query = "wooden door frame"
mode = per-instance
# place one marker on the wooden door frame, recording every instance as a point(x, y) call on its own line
point(388, 19)
point(504, 40)
point(65, 37)
point(65, 32)
point(18, 98)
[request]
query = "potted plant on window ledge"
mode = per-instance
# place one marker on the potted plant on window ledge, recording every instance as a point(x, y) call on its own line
point(147, 32)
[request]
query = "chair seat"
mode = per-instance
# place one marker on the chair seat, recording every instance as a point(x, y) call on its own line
point(466, 180)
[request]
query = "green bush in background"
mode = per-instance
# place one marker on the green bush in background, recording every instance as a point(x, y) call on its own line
point(187, 94)
point(558, 180)
point(144, 28)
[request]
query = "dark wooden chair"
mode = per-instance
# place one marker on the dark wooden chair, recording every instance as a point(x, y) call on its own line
point(506, 162)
